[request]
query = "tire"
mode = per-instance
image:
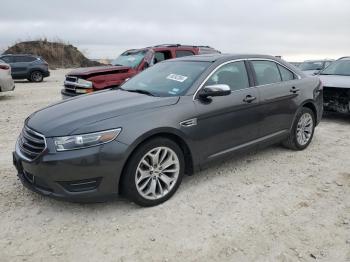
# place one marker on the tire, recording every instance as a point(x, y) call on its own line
point(300, 137)
point(36, 76)
point(158, 183)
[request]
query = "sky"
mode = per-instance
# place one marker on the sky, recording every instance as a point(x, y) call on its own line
point(295, 29)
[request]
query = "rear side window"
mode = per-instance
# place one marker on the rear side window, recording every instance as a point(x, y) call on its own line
point(182, 53)
point(25, 59)
point(286, 74)
point(266, 72)
point(233, 74)
point(160, 56)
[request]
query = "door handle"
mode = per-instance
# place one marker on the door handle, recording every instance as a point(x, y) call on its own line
point(249, 99)
point(294, 90)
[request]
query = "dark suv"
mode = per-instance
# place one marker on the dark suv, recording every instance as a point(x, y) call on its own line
point(131, 62)
point(171, 119)
point(30, 67)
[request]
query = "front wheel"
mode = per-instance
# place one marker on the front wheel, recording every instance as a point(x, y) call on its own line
point(154, 172)
point(302, 131)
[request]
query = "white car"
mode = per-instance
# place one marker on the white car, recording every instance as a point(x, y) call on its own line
point(336, 86)
point(6, 81)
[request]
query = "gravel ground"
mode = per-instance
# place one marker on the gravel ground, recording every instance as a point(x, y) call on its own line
point(270, 205)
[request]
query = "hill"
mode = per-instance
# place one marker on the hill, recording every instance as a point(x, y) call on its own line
point(57, 54)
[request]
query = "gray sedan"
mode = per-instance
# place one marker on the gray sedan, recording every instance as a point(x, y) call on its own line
point(172, 119)
point(6, 81)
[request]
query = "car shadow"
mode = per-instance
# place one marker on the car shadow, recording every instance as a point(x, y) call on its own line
point(342, 118)
point(4, 97)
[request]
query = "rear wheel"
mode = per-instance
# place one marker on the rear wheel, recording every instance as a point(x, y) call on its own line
point(302, 130)
point(36, 76)
point(154, 172)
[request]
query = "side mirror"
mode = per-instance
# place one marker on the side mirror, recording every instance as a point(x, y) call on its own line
point(214, 90)
point(145, 65)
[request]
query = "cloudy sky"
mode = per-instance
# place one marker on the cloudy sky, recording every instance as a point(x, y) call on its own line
point(295, 29)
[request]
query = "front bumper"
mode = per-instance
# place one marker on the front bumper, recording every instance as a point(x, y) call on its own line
point(337, 99)
point(68, 94)
point(86, 175)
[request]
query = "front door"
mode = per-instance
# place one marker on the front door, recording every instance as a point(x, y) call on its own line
point(228, 123)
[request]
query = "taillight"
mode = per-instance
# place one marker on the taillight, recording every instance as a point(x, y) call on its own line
point(4, 67)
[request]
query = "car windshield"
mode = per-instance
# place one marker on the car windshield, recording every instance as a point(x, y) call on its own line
point(340, 67)
point(167, 78)
point(130, 58)
point(312, 65)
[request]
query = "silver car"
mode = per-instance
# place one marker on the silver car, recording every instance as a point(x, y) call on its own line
point(6, 81)
point(312, 67)
point(336, 82)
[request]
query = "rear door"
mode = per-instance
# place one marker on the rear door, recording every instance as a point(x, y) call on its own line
point(278, 89)
point(20, 67)
point(228, 123)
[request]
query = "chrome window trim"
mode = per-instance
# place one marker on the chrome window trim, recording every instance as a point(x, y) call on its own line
point(271, 60)
point(213, 72)
point(244, 59)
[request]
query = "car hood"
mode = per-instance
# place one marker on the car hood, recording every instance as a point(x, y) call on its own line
point(96, 70)
point(66, 117)
point(310, 72)
point(335, 81)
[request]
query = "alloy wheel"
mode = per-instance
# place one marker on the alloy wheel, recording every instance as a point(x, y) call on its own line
point(157, 173)
point(304, 129)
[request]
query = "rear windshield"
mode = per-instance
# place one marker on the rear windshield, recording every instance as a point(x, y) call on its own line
point(168, 78)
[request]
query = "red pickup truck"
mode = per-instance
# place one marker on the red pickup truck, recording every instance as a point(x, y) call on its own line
point(128, 64)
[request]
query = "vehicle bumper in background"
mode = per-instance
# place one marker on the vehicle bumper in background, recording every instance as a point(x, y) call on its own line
point(74, 89)
point(68, 94)
point(46, 73)
point(86, 175)
point(7, 85)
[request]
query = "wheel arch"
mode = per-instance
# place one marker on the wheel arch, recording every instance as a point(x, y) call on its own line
point(311, 105)
point(308, 104)
point(171, 134)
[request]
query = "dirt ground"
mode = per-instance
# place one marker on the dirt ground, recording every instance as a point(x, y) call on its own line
point(270, 205)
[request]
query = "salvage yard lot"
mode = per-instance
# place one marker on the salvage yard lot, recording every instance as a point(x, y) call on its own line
point(270, 205)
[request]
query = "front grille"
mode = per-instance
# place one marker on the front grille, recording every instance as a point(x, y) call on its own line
point(71, 79)
point(31, 143)
point(69, 88)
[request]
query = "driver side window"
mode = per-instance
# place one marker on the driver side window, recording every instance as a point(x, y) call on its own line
point(233, 74)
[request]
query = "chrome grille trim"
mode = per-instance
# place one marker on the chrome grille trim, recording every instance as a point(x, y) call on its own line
point(31, 144)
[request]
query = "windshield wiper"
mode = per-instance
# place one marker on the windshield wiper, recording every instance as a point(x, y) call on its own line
point(140, 91)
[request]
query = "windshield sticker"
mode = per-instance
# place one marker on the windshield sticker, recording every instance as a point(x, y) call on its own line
point(131, 59)
point(175, 77)
point(176, 90)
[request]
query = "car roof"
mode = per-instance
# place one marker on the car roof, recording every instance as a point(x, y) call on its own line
point(344, 58)
point(222, 57)
point(202, 47)
point(18, 55)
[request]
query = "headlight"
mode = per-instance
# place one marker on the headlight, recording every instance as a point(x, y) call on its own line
point(84, 83)
point(86, 140)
